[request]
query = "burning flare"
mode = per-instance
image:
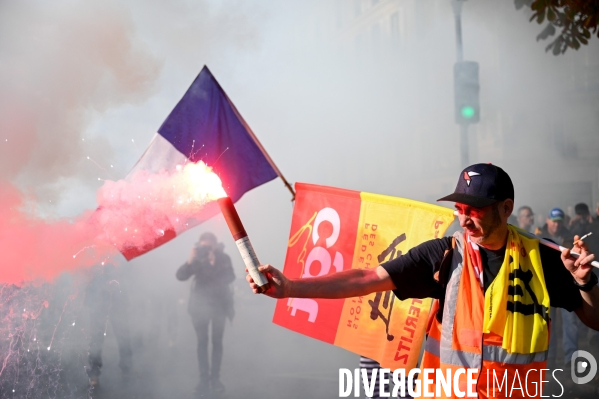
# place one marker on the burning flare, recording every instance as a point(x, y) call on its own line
point(139, 213)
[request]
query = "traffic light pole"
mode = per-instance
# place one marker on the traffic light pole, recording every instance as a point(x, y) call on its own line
point(464, 145)
point(457, 12)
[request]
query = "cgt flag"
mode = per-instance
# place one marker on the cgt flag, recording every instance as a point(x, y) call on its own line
point(204, 126)
point(333, 230)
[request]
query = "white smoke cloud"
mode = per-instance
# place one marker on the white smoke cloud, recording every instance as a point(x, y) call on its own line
point(61, 64)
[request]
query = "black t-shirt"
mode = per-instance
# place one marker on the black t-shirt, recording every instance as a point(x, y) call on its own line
point(413, 273)
point(210, 291)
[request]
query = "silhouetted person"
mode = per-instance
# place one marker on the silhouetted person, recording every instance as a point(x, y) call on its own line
point(526, 218)
point(107, 301)
point(555, 228)
point(210, 303)
point(583, 223)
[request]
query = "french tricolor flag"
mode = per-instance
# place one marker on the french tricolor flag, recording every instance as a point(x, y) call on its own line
point(204, 126)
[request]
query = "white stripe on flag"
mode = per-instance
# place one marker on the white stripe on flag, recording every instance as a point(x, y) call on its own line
point(161, 155)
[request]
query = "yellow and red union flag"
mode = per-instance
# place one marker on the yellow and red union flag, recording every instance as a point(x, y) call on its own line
point(333, 230)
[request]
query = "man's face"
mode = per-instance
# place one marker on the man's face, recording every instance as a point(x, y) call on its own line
point(526, 219)
point(584, 217)
point(481, 224)
point(206, 243)
point(553, 226)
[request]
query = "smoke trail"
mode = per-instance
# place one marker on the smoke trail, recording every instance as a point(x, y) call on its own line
point(60, 64)
point(131, 213)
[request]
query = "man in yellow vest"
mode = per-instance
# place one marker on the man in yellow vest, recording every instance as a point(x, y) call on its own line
point(493, 288)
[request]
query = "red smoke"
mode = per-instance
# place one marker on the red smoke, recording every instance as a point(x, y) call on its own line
point(131, 213)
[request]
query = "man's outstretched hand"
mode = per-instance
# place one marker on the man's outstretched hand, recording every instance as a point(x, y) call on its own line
point(279, 284)
point(580, 267)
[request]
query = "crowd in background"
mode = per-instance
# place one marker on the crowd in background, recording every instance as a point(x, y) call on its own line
point(569, 334)
point(561, 227)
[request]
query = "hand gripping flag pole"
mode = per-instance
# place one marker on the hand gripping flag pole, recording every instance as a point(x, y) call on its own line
point(243, 242)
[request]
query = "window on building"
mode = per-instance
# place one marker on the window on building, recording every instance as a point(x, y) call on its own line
point(339, 17)
point(357, 8)
point(395, 24)
point(360, 43)
point(376, 33)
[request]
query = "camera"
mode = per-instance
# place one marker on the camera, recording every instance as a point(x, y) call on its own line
point(202, 251)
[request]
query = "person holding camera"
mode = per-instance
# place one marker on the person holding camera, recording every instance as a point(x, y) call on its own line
point(210, 304)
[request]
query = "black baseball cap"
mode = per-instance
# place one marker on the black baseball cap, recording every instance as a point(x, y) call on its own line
point(582, 209)
point(482, 185)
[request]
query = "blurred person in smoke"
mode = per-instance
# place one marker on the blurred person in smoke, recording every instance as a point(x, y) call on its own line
point(107, 300)
point(210, 304)
point(489, 330)
point(583, 223)
point(555, 228)
point(525, 218)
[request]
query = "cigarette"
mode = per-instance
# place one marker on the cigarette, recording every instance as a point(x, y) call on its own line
point(582, 238)
point(243, 242)
point(553, 245)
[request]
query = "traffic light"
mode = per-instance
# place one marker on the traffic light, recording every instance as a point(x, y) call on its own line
point(466, 89)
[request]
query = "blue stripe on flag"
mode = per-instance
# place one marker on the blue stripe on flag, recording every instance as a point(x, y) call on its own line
point(205, 126)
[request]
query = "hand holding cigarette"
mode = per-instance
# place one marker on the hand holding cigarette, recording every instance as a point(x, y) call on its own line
point(580, 266)
point(582, 238)
point(572, 253)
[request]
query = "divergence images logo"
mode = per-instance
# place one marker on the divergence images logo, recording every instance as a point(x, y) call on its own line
point(584, 367)
point(468, 176)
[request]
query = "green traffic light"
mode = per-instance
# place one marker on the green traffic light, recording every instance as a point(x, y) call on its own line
point(468, 112)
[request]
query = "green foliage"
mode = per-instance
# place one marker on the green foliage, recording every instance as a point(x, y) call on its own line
point(574, 21)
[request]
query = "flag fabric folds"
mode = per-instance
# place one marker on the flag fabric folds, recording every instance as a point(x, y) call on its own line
point(334, 230)
point(205, 126)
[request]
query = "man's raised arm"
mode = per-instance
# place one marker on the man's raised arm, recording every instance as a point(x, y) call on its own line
point(346, 284)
